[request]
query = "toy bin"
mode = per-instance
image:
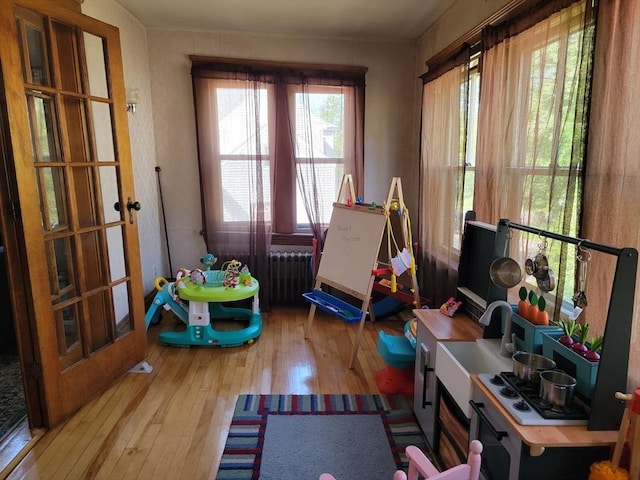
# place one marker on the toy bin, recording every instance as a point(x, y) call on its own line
point(584, 371)
point(528, 335)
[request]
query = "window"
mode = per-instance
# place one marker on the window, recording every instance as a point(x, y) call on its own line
point(274, 143)
point(470, 137)
point(532, 132)
point(319, 148)
point(241, 146)
point(518, 126)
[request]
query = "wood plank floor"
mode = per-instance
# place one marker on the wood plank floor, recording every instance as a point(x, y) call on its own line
point(172, 423)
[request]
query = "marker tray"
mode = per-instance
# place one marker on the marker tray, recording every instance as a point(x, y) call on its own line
point(333, 305)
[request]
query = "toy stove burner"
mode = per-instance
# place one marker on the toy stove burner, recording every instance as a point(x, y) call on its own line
point(508, 392)
point(531, 393)
point(522, 400)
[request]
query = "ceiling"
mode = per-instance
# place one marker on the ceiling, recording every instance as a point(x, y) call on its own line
point(352, 19)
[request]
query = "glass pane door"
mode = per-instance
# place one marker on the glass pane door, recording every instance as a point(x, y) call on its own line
point(82, 243)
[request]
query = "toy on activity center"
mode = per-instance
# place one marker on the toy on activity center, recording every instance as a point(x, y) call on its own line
point(197, 296)
point(398, 352)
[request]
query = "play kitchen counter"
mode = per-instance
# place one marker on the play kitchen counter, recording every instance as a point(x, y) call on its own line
point(531, 452)
point(512, 451)
point(441, 327)
point(455, 401)
point(444, 424)
point(540, 437)
point(434, 327)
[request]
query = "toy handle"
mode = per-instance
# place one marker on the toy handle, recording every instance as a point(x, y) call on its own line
point(159, 283)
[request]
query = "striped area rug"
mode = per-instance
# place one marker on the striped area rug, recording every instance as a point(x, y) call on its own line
point(340, 434)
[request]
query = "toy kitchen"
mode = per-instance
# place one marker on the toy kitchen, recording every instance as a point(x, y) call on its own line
point(478, 374)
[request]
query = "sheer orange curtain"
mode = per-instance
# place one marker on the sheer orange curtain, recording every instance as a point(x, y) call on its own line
point(441, 177)
point(260, 144)
point(249, 240)
point(534, 101)
point(612, 183)
point(310, 173)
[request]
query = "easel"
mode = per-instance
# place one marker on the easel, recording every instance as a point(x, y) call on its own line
point(366, 225)
point(399, 206)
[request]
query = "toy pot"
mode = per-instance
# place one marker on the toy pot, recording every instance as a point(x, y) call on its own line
point(556, 388)
point(527, 366)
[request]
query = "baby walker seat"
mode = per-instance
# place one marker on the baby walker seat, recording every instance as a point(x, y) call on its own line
point(197, 296)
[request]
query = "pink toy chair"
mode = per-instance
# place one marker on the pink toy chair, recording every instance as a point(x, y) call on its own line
point(420, 464)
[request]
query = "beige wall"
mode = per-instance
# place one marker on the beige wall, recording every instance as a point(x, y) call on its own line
point(133, 39)
point(390, 134)
point(163, 130)
point(461, 18)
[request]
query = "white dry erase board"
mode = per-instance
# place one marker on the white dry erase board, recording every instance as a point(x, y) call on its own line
point(351, 248)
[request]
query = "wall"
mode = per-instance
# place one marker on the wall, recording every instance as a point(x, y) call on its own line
point(390, 136)
point(461, 18)
point(133, 38)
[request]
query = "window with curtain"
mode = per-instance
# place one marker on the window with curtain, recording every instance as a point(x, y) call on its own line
point(444, 141)
point(516, 150)
point(532, 129)
point(274, 142)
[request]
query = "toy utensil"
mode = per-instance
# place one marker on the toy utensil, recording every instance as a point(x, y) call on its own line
point(580, 297)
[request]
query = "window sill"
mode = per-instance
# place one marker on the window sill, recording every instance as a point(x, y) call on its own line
point(292, 239)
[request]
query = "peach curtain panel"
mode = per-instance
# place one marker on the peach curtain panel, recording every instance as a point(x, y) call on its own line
point(442, 173)
point(612, 183)
point(532, 134)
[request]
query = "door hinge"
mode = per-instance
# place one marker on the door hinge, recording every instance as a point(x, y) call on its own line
point(34, 370)
point(14, 211)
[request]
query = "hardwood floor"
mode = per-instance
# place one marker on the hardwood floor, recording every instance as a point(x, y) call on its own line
point(172, 423)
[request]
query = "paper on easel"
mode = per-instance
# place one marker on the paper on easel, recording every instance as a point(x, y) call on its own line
point(401, 262)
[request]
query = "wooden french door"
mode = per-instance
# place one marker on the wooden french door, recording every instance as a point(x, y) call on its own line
point(75, 205)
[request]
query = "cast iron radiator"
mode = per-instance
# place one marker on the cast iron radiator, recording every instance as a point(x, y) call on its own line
point(290, 276)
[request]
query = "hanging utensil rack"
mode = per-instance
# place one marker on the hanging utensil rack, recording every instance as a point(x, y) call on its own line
point(606, 411)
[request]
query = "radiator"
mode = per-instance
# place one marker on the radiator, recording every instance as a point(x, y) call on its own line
point(290, 276)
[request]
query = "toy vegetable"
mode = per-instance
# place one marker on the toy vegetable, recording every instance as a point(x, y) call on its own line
point(542, 317)
point(533, 306)
point(523, 305)
point(568, 327)
point(579, 346)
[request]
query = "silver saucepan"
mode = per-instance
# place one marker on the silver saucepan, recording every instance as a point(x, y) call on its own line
point(557, 388)
point(527, 366)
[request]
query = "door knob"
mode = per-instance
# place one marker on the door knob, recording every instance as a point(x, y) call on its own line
point(130, 206)
point(133, 205)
